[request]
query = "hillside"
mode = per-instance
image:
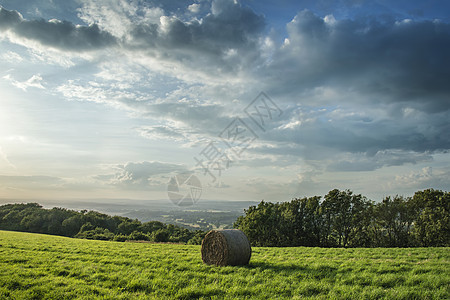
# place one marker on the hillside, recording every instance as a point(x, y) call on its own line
point(35, 266)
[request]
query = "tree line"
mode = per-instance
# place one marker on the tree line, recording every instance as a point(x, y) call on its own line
point(340, 219)
point(345, 219)
point(32, 217)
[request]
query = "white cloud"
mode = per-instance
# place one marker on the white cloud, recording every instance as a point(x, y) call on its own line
point(34, 81)
point(194, 8)
point(428, 177)
point(110, 94)
point(415, 178)
point(142, 174)
point(11, 57)
point(175, 133)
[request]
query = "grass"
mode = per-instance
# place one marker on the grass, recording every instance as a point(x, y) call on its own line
point(35, 266)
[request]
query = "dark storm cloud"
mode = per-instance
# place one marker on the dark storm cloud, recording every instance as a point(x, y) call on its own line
point(207, 119)
point(345, 135)
point(9, 18)
point(58, 34)
point(228, 25)
point(379, 160)
point(227, 38)
point(395, 61)
point(388, 84)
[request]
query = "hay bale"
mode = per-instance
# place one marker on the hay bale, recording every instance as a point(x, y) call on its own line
point(227, 247)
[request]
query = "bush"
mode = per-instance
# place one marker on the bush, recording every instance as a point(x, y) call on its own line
point(138, 236)
point(197, 238)
point(120, 238)
point(97, 234)
point(160, 235)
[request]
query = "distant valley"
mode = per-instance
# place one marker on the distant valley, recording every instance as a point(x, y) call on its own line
point(204, 215)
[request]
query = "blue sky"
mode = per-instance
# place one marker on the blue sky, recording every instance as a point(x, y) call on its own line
point(110, 99)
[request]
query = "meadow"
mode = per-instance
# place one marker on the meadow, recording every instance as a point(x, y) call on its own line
point(35, 266)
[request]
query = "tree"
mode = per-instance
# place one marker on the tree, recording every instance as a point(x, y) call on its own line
point(54, 219)
point(394, 220)
point(97, 233)
point(160, 236)
point(127, 227)
point(87, 227)
point(72, 225)
point(301, 222)
point(344, 216)
point(197, 238)
point(431, 209)
point(93, 225)
point(313, 220)
point(261, 224)
point(138, 236)
point(290, 226)
point(32, 222)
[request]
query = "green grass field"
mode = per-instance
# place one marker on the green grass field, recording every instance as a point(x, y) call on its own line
point(34, 266)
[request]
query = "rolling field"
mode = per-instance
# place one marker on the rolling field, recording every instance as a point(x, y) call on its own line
point(34, 266)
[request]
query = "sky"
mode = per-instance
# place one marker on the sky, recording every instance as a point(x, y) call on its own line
point(259, 100)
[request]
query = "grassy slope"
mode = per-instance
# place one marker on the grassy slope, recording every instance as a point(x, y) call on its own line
point(36, 266)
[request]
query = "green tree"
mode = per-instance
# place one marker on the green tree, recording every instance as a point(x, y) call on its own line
point(149, 227)
point(160, 236)
point(128, 226)
point(138, 236)
point(301, 222)
point(431, 210)
point(97, 233)
point(261, 224)
point(313, 220)
point(344, 217)
point(394, 220)
point(32, 222)
point(72, 225)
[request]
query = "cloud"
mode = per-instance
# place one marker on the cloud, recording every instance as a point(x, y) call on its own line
point(9, 18)
point(356, 94)
point(11, 57)
point(222, 41)
point(175, 133)
point(349, 139)
point(365, 59)
point(354, 162)
point(180, 113)
point(142, 174)
point(370, 135)
point(162, 132)
point(54, 33)
point(34, 81)
point(194, 8)
point(425, 178)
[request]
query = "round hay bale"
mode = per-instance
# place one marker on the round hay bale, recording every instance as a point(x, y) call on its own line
point(227, 247)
